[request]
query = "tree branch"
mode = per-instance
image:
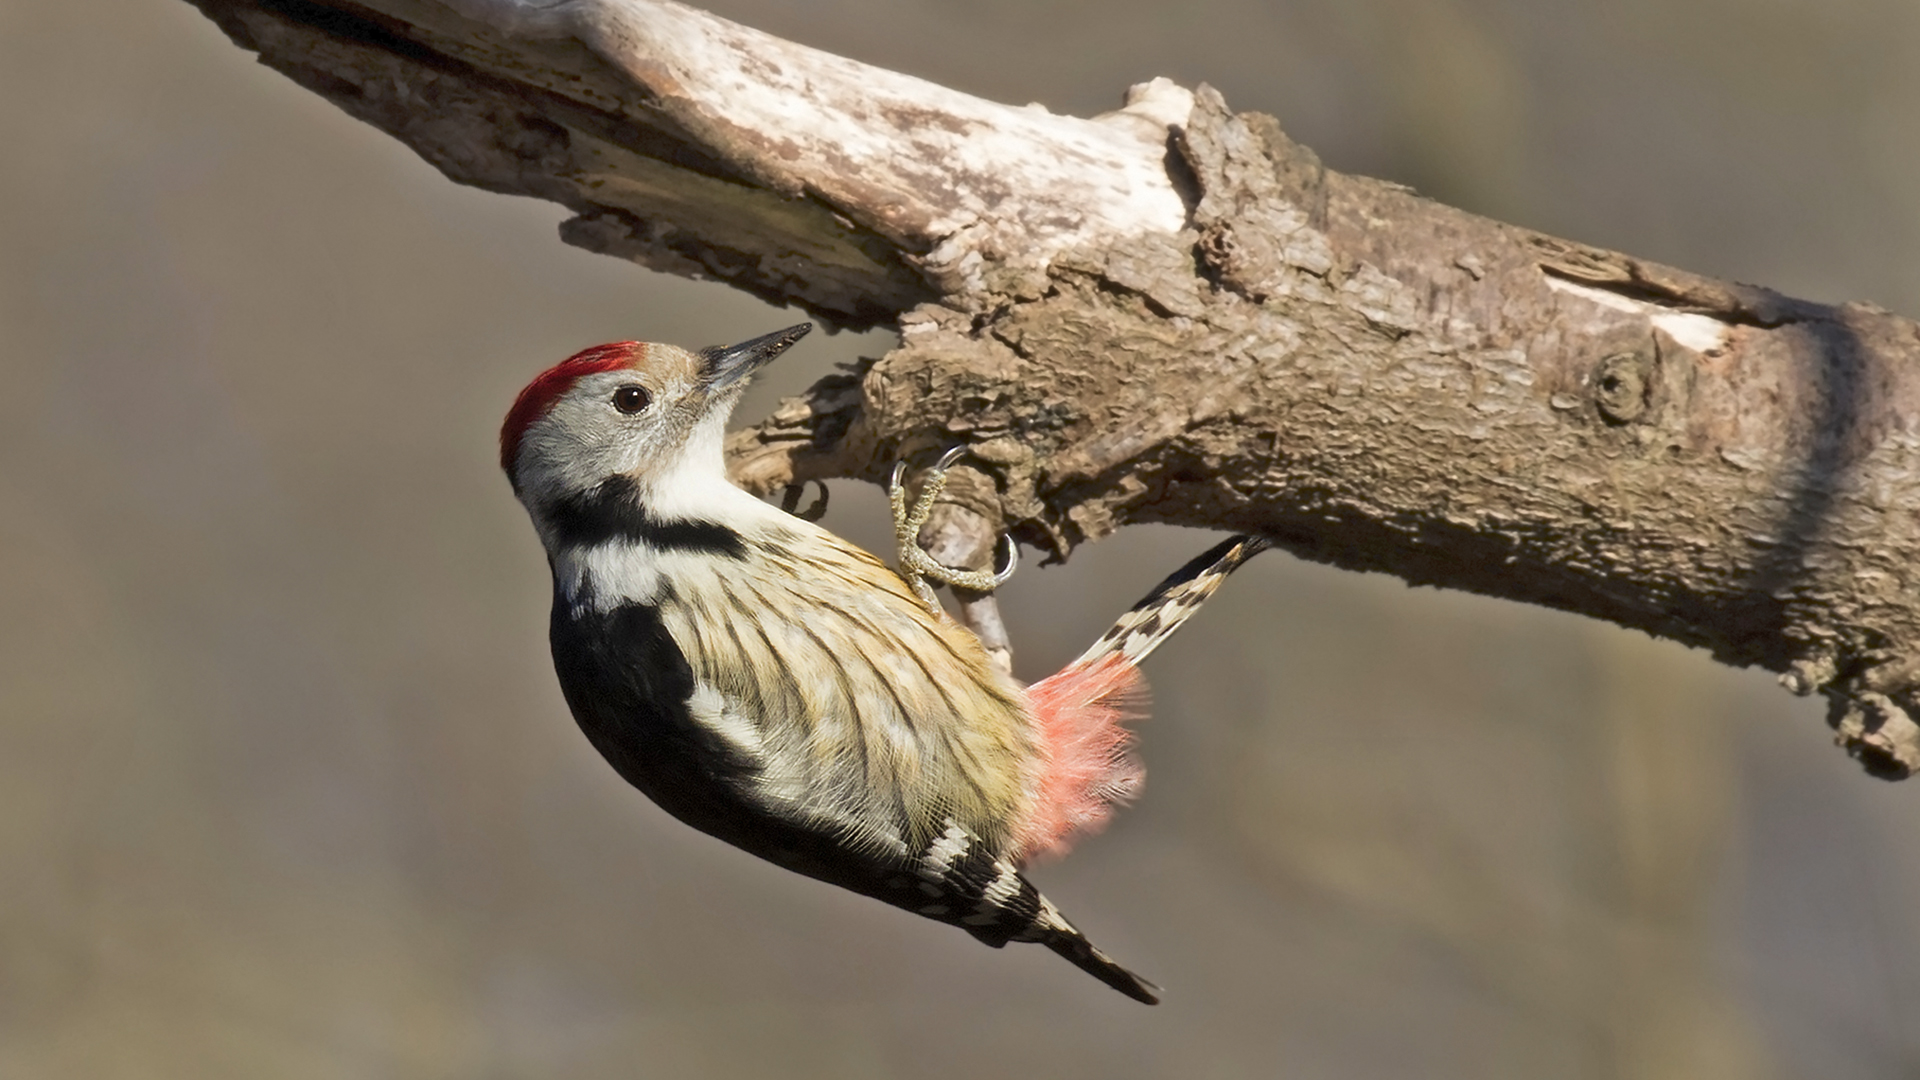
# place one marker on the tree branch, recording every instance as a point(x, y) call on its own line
point(1173, 313)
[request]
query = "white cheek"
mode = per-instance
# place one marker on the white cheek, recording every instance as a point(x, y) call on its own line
point(648, 442)
point(681, 471)
point(689, 483)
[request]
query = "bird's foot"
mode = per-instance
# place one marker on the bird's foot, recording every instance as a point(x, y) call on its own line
point(916, 566)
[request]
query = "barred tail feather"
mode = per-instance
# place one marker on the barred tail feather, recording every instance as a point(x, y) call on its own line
point(1088, 766)
point(1087, 763)
point(1153, 620)
point(1050, 928)
point(960, 880)
point(1088, 958)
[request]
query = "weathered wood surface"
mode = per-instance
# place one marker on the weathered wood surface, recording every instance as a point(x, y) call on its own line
point(1174, 313)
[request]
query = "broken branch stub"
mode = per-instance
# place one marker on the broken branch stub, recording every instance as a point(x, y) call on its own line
point(1173, 313)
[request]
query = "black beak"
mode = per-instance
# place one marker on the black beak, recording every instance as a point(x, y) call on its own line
point(729, 364)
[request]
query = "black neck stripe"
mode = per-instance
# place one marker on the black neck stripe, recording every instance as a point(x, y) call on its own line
point(613, 511)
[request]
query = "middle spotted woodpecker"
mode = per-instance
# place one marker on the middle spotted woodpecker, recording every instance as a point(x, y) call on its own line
point(772, 685)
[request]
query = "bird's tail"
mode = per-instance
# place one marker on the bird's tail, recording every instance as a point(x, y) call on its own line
point(1084, 955)
point(1154, 619)
point(1034, 918)
point(1081, 712)
point(960, 879)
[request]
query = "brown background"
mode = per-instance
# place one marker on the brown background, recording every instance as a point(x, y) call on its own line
point(286, 787)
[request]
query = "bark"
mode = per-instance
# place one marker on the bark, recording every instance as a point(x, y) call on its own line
point(1174, 313)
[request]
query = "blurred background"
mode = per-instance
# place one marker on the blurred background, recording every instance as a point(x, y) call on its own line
point(287, 788)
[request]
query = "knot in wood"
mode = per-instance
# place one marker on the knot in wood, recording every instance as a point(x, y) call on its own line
point(1621, 386)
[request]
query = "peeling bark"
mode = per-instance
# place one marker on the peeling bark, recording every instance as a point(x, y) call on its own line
point(1173, 313)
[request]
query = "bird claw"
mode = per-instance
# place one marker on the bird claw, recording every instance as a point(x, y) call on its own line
point(918, 567)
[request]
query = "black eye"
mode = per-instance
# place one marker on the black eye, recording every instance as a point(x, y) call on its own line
point(631, 399)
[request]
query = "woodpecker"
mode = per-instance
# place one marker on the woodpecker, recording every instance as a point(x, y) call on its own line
point(774, 686)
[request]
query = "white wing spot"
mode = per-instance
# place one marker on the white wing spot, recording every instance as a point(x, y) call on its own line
point(1002, 890)
point(1051, 918)
point(940, 854)
point(709, 708)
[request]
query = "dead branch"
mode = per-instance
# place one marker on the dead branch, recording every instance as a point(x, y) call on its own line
point(1173, 313)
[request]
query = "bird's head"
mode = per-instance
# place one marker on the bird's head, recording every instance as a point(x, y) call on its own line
point(654, 415)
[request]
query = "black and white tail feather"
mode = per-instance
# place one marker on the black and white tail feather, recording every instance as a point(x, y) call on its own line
point(963, 882)
point(1149, 623)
